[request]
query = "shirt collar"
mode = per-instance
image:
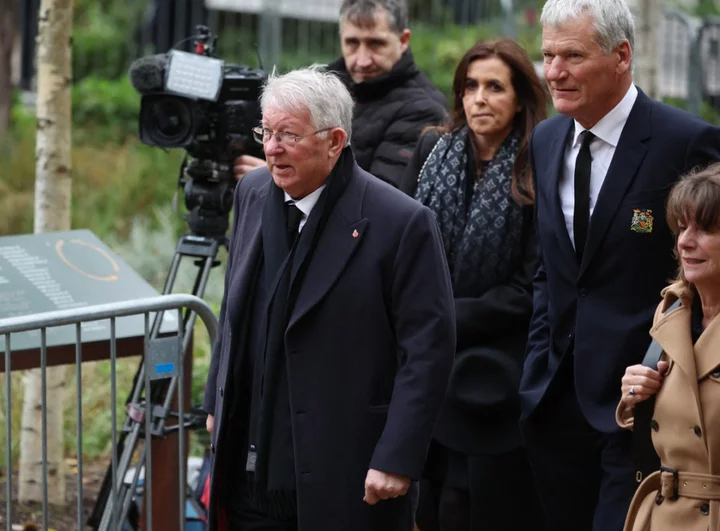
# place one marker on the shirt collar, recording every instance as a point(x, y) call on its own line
point(307, 203)
point(610, 127)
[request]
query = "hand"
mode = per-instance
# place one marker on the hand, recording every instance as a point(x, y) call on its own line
point(210, 423)
point(244, 164)
point(643, 381)
point(382, 486)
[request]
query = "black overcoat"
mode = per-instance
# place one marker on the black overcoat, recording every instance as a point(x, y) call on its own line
point(369, 348)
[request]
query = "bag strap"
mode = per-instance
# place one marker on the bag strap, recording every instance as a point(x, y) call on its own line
point(645, 457)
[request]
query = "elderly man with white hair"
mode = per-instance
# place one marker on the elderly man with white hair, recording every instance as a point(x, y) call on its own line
point(603, 168)
point(336, 335)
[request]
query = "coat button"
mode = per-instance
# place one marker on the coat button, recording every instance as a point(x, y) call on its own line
point(654, 425)
point(697, 431)
point(212, 448)
point(221, 392)
point(582, 292)
point(705, 509)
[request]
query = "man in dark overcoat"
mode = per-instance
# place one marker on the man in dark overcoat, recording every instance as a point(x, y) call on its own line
point(336, 333)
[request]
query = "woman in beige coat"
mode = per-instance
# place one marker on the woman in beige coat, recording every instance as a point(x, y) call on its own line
point(686, 420)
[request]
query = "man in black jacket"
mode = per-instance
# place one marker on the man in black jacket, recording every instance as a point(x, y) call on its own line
point(394, 100)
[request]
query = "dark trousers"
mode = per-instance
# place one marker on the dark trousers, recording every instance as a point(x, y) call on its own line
point(500, 497)
point(585, 478)
point(242, 517)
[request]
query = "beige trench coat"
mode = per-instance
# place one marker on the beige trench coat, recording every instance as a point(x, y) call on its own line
point(686, 427)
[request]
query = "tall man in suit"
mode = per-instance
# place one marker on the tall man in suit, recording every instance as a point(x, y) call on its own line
point(603, 168)
point(336, 334)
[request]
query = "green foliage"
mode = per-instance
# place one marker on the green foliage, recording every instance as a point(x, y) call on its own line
point(706, 8)
point(707, 112)
point(102, 37)
point(437, 51)
point(113, 181)
point(104, 110)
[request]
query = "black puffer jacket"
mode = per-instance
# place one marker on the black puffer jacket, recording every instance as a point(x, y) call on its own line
point(390, 113)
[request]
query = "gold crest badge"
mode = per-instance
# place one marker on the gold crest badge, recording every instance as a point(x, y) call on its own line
point(642, 221)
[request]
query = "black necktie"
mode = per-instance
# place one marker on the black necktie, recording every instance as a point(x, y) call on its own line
point(293, 215)
point(581, 216)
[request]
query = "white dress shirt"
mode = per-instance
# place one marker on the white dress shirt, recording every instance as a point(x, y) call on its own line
point(607, 132)
point(306, 204)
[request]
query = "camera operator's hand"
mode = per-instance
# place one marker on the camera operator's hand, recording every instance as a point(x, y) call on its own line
point(244, 164)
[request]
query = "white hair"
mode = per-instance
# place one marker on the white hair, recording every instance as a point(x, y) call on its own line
point(612, 19)
point(316, 89)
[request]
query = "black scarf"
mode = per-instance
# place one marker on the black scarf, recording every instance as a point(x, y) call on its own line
point(482, 243)
point(271, 446)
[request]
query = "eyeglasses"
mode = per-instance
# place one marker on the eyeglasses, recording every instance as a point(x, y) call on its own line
point(262, 135)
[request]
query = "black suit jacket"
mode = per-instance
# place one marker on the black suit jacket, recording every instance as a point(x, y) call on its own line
point(369, 348)
point(601, 310)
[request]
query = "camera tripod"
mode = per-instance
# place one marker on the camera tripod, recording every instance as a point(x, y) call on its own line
point(114, 502)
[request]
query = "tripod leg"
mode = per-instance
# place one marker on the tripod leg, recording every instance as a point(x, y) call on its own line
point(124, 452)
point(128, 440)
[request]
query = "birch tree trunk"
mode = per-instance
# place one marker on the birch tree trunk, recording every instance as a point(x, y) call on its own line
point(650, 14)
point(8, 16)
point(52, 213)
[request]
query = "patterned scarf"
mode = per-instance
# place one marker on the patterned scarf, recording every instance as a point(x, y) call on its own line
point(482, 244)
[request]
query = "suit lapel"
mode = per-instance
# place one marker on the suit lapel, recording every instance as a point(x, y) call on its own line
point(340, 239)
point(629, 154)
point(555, 172)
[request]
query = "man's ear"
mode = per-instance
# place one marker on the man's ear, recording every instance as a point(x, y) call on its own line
point(624, 55)
point(405, 39)
point(338, 138)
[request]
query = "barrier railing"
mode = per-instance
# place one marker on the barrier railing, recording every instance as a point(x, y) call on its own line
point(169, 363)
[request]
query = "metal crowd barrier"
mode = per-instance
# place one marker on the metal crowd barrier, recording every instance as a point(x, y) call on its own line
point(112, 311)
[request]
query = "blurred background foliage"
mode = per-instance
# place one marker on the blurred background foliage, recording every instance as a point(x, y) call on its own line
point(115, 177)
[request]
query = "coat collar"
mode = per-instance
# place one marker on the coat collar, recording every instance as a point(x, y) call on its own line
point(340, 239)
point(402, 72)
point(672, 331)
point(555, 168)
point(246, 240)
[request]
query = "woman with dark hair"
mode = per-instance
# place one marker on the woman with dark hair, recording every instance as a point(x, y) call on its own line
point(475, 175)
point(685, 492)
